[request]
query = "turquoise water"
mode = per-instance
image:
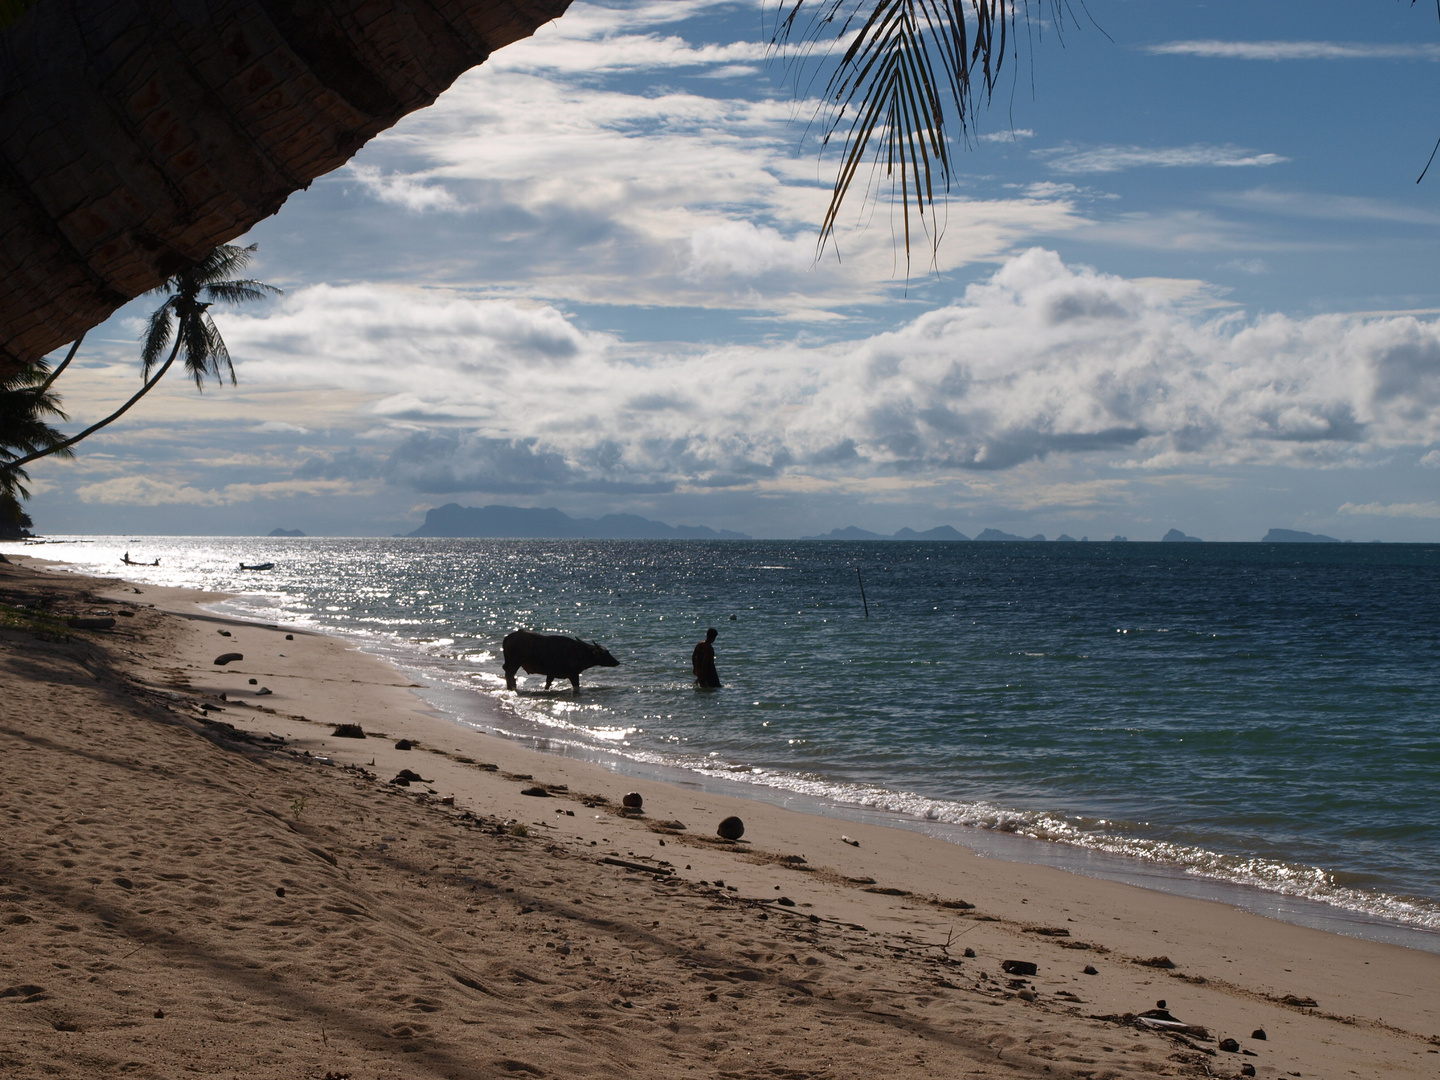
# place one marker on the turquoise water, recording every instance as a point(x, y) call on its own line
point(1266, 715)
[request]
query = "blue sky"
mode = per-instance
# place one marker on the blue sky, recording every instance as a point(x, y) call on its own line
point(1186, 279)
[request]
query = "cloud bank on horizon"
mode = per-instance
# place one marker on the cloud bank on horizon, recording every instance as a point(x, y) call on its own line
point(587, 277)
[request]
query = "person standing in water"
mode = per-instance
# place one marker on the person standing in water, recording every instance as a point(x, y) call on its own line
point(702, 660)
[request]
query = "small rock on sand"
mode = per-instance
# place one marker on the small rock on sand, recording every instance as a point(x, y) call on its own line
point(225, 658)
point(1089, 969)
point(1230, 1046)
point(1019, 967)
point(632, 800)
point(732, 828)
point(537, 792)
point(1247, 1069)
point(263, 691)
point(404, 744)
point(1157, 962)
point(1258, 1033)
point(289, 637)
point(254, 682)
point(223, 633)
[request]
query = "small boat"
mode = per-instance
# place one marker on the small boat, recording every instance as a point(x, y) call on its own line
point(258, 566)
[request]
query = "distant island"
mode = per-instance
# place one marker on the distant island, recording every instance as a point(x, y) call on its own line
point(1294, 536)
point(534, 523)
point(1175, 536)
point(285, 532)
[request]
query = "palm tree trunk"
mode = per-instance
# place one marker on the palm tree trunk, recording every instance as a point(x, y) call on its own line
point(63, 365)
point(149, 385)
point(136, 135)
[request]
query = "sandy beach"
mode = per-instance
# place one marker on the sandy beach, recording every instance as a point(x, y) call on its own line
point(198, 878)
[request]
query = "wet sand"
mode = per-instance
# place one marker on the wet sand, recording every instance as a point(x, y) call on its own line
point(192, 883)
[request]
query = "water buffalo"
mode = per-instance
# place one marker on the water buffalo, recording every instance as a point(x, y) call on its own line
point(551, 655)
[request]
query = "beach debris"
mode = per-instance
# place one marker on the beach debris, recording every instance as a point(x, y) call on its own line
point(404, 744)
point(225, 658)
point(732, 828)
point(537, 792)
point(1026, 995)
point(75, 622)
point(1230, 1046)
point(784, 901)
point(404, 778)
point(1048, 931)
point(1258, 1034)
point(223, 633)
point(661, 871)
point(958, 905)
point(847, 840)
point(263, 691)
point(1159, 1019)
point(349, 731)
point(1018, 967)
point(254, 682)
point(885, 890)
point(632, 800)
point(1299, 1002)
point(1157, 962)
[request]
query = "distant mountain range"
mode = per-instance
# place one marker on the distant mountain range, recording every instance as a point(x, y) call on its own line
point(940, 532)
point(528, 522)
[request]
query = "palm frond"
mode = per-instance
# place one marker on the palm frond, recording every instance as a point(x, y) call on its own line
point(912, 72)
point(241, 290)
point(157, 335)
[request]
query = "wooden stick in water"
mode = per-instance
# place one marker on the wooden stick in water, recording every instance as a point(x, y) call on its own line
point(862, 592)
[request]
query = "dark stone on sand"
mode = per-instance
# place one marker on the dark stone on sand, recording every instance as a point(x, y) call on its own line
point(159, 1014)
point(289, 637)
point(1089, 969)
point(537, 792)
point(225, 658)
point(784, 901)
point(732, 828)
point(1157, 962)
point(632, 800)
point(404, 744)
point(263, 691)
point(1247, 1069)
point(1258, 1034)
point(969, 953)
point(253, 682)
point(77, 623)
point(1018, 967)
point(280, 891)
point(223, 633)
point(1230, 1046)
point(349, 731)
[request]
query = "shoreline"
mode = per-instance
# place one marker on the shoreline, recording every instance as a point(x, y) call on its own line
point(472, 709)
point(1375, 1011)
point(476, 709)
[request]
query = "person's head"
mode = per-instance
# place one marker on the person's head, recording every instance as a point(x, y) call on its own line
point(711, 634)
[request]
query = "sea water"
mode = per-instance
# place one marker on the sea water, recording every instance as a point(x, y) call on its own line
point(1262, 715)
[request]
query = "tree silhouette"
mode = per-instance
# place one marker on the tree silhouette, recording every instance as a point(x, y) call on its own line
point(183, 323)
point(26, 407)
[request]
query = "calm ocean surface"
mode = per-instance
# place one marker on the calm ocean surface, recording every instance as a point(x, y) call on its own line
point(1264, 715)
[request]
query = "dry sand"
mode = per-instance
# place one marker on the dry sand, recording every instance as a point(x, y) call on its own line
point(192, 885)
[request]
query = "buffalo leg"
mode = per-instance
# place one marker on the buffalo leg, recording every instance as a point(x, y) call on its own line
point(575, 682)
point(510, 676)
point(548, 680)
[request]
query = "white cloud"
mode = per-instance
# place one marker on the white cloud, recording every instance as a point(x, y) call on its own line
point(1400, 510)
point(1308, 204)
point(1013, 135)
point(1041, 360)
point(1297, 50)
point(403, 190)
point(152, 491)
point(1106, 159)
point(1431, 460)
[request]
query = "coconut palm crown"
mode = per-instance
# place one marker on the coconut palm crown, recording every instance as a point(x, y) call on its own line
point(26, 406)
point(185, 317)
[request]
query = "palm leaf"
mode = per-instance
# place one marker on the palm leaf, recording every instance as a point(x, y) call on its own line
point(911, 73)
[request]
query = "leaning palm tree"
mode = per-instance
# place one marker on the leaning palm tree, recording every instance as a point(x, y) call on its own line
point(183, 324)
